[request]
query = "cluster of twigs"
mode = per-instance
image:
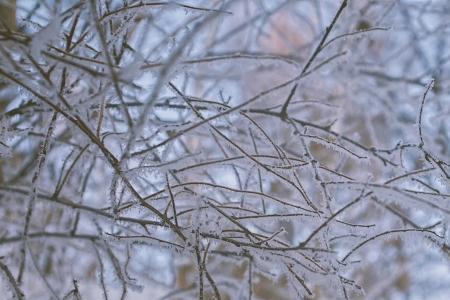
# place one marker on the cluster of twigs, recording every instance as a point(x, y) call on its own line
point(127, 138)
